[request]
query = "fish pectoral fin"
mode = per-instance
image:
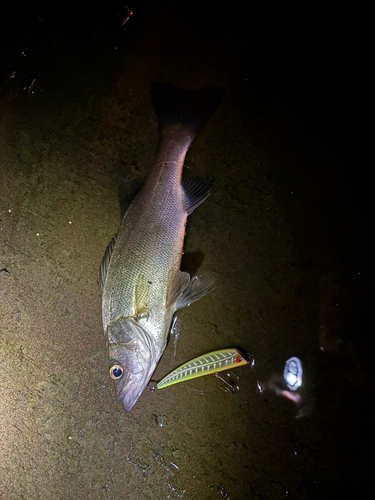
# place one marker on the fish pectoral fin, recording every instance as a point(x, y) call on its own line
point(181, 282)
point(197, 288)
point(196, 191)
point(104, 265)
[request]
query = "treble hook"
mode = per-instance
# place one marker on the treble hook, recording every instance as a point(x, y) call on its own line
point(230, 385)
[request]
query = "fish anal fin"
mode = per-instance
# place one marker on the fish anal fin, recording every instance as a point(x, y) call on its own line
point(196, 191)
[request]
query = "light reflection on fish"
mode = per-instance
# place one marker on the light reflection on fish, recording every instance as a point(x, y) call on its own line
point(140, 279)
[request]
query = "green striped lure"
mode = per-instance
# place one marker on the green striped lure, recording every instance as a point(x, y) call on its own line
point(213, 362)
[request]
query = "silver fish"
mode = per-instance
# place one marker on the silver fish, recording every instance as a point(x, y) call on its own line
point(140, 279)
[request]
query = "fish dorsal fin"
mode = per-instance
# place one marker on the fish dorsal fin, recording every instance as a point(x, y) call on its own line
point(181, 282)
point(128, 195)
point(104, 265)
point(196, 191)
point(197, 287)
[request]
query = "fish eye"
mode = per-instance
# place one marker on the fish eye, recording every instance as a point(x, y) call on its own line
point(116, 372)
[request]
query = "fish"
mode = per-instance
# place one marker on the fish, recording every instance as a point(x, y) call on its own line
point(140, 281)
point(207, 364)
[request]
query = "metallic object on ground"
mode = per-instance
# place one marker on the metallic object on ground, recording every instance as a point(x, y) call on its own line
point(293, 373)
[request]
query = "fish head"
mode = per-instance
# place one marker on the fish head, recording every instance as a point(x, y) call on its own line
point(132, 359)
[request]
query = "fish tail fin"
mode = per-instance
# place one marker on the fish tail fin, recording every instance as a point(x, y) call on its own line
point(186, 109)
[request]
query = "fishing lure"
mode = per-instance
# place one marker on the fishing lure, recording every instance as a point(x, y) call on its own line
point(216, 361)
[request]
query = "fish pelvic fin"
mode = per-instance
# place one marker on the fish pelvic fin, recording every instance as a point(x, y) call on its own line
point(181, 282)
point(189, 109)
point(198, 287)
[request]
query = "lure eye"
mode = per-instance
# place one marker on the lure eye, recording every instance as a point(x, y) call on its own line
point(116, 372)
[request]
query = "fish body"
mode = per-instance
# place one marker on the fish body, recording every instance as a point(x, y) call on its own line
point(140, 279)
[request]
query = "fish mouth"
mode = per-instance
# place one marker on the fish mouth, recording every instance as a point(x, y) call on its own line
point(130, 390)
